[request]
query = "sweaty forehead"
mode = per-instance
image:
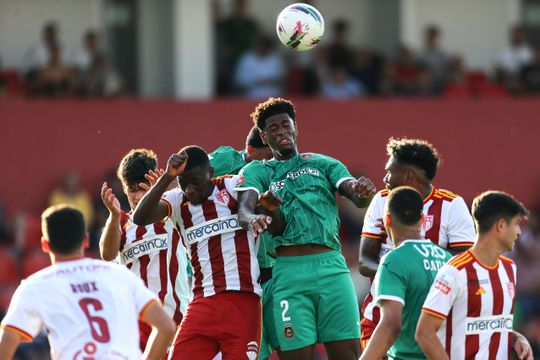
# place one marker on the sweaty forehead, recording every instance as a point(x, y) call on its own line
point(277, 119)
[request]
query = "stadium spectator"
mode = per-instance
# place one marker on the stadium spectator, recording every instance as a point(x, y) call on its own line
point(83, 58)
point(261, 72)
point(100, 80)
point(237, 34)
point(457, 71)
point(530, 74)
point(434, 58)
point(340, 85)
point(513, 58)
point(407, 72)
point(366, 68)
point(340, 54)
point(55, 79)
point(70, 192)
point(5, 227)
point(39, 54)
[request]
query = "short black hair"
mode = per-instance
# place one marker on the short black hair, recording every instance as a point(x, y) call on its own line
point(272, 106)
point(254, 138)
point(415, 152)
point(135, 164)
point(405, 204)
point(490, 206)
point(197, 157)
point(64, 227)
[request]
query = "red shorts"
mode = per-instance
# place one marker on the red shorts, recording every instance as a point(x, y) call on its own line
point(229, 322)
point(367, 327)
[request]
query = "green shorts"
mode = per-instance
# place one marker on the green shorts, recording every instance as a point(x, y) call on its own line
point(314, 300)
point(269, 339)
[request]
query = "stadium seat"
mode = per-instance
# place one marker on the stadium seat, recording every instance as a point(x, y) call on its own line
point(33, 262)
point(456, 92)
point(9, 274)
point(30, 234)
point(12, 79)
point(6, 293)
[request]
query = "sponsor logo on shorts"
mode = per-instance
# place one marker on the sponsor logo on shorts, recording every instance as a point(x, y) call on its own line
point(489, 324)
point(252, 350)
point(146, 246)
point(443, 287)
point(288, 332)
point(211, 228)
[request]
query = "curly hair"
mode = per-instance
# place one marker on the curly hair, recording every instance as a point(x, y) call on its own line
point(271, 107)
point(134, 165)
point(415, 152)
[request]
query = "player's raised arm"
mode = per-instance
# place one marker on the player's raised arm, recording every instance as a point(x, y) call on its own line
point(150, 209)
point(109, 242)
point(162, 332)
point(269, 203)
point(359, 191)
point(370, 249)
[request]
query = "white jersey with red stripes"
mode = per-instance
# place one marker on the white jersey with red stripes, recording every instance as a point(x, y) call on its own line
point(477, 304)
point(222, 254)
point(156, 254)
point(90, 309)
point(448, 224)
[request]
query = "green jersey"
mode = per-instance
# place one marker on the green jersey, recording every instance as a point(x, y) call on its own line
point(307, 184)
point(226, 160)
point(406, 275)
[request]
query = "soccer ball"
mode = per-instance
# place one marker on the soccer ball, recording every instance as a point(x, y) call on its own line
point(300, 27)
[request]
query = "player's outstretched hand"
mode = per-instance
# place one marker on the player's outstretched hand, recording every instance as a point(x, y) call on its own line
point(363, 187)
point(270, 201)
point(110, 200)
point(259, 224)
point(176, 164)
point(152, 176)
point(522, 347)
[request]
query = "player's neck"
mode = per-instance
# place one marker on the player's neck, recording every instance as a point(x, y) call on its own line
point(286, 156)
point(486, 251)
point(424, 189)
point(405, 234)
point(56, 258)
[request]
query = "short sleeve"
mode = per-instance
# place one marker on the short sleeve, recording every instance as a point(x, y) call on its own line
point(460, 225)
point(336, 172)
point(373, 214)
point(391, 282)
point(173, 198)
point(254, 176)
point(142, 296)
point(22, 315)
point(443, 292)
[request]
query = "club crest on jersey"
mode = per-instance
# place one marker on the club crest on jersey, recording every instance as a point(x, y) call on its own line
point(511, 289)
point(306, 156)
point(428, 222)
point(252, 350)
point(223, 197)
point(288, 332)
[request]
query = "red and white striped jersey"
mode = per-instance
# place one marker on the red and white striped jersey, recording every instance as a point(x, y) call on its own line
point(222, 254)
point(477, 304)
point(90, 309)
point(448, 224)
point(156, 254)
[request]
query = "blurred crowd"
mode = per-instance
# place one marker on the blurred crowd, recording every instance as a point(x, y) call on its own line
point(51, 70)
point(251, 63)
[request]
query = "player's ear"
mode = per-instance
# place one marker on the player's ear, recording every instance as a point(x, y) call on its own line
point(263, 137)
point(45, 245)
point(500, 225)
point(86, 241)
point(387, 220)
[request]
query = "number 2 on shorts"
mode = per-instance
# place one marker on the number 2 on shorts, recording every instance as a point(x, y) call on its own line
point(284, 304)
